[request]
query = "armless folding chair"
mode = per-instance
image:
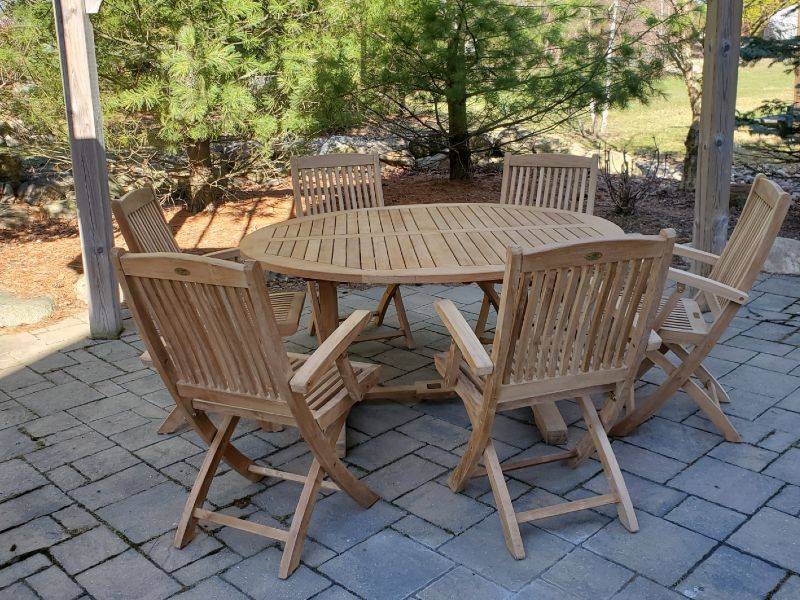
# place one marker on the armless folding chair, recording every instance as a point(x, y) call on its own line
point(334, 182)
point(574, 320)
point(687, 336)
point(211, 331)
point(144, 228)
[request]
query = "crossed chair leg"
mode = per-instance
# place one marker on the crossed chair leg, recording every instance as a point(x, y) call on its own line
point(595, 438)
point(219, 449)
point(706, 391)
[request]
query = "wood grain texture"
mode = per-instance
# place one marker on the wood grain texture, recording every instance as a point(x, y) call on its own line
point(426, 243)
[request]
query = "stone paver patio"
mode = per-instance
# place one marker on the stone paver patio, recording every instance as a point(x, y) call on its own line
point(90, 494)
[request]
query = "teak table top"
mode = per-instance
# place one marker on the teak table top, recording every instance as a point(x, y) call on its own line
point(423, 243)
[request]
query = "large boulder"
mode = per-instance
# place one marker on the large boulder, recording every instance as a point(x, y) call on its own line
point(392, 151)
point(784, 258)
point(23, 311)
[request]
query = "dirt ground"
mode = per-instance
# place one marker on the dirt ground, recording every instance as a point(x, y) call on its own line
point(45, 258)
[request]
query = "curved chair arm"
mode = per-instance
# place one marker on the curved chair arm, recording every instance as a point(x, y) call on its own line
point(468, 343)
point(228, 254)
point(326, 354)
point(708, 286)
point(695, 254)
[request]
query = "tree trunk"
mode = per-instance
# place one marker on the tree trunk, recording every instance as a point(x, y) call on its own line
point(201, 191)
point(690, 158)
point(457, 123)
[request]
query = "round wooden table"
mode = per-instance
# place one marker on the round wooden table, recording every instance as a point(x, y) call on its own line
point(423, 243)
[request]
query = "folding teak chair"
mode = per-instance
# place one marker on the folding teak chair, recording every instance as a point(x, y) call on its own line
point(686, 334)
point(210, 329)
point(142, 224)
point(335, 182)
point(570, 325)
point(563, 181)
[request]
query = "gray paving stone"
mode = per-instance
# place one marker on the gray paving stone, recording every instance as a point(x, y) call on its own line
point(656, 499)
point(335, 592)
point(30, 505)
point(773, 363)
point(730, 575)
point(258, 577)
point(461, 583)
point(50, 424)
point(92, 372)
point(22, 569)
point(13, 413)
point(18, 591)
point(433, 431)
point(555, 477)
point(673, 440)
point(105, 407)
point(167, 452)
point(14, 443)
point(60, 397)
point(771, 535)
point(422, 531)
point(212, 564)
point(123, 422)
point(33, 535)
point(125, 574)
point(770, 331)
point(74, 519)
point(66, 478)
point(402, 476)
point(114, 350)
point(143, 385)
point(136, 437)
point(439, 456)
point(644, 463)
point(704, 517)
point(382, 449)
point(587, 575)
point(790, 590)
point(787, 500)
point(51, 362)
point(339, 522)
point(786, 467)
point(69, 450)
point(374, 418)
point(761, 381)
point(88, 549)
point(214, 588)
point(105, 463)
point(482, 549)
point(17, 477)
point(231, 486)
point(163, 503)
point(163, 552)
point(744, 455)
point(438, 505)
point(53, 584)
point(539, 589)
point(16, 378)
point(644, 589)
point(726, 484)
point(404, 567)
point(660, 550)
point(749, 343)
point(117, 487)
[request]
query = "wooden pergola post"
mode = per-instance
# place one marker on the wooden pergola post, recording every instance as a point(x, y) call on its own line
point(89, 171)
point(717, 124)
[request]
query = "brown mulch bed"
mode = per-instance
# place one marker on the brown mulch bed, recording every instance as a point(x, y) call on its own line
point(45, 258)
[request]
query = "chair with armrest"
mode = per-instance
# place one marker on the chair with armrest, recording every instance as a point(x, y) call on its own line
point(211, 331)
point(575, 320)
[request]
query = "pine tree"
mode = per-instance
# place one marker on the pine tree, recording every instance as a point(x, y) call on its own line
point(459, 69)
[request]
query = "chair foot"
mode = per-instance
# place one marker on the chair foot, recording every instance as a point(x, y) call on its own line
point(174, 422)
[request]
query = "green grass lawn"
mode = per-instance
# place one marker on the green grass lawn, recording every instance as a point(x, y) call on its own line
point(666, 118)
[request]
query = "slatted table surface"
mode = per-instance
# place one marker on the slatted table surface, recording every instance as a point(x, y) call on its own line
point(424, 243)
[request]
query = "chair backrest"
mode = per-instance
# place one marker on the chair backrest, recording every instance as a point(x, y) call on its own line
point(550, 180)
point(209, 327)
point(577, 316)
point(334, 182)
point(752, 238)
point(142, 222)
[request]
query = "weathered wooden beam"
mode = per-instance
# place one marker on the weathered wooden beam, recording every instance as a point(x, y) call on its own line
point(82, 100)
point(717, 124)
